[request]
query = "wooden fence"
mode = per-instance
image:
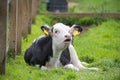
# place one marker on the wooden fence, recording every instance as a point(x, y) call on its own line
point(16, 17)
point(94, 15)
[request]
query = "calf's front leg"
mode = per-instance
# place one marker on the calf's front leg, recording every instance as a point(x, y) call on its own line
point(75, 60)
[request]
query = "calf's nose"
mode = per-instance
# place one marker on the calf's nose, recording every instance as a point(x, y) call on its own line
point(67, 36)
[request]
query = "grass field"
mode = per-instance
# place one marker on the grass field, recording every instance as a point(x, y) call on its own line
point(99, 46)
point(81, 6)
point(100, 6)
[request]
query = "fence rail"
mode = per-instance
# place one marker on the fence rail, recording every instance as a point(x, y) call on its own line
point(94, 15)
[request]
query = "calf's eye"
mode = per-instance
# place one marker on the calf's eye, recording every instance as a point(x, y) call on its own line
point(56, 31)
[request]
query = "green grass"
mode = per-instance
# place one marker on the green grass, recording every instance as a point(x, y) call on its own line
point(108, 6)
point(99, 46)
point(89, 6)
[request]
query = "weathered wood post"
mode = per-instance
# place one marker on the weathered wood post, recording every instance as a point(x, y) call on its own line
point(35, 6)
point(30, 16)
point(3, 31)
point(13, 28)
point(19, 25)
point(25, 18)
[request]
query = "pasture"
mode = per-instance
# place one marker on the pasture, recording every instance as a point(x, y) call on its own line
point(89, 6)
point(100, 6)
point(99, 46)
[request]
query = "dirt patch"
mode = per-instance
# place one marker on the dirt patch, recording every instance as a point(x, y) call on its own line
point(72, 4)
point(85, 28)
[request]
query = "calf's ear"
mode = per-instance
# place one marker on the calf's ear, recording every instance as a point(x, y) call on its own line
point(45, 29)
point(76, 30)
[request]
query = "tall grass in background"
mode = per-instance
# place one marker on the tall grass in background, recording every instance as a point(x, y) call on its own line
point(100, 6)
point(81, 6)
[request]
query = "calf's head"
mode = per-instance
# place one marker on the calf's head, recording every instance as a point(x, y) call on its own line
point(61, 34)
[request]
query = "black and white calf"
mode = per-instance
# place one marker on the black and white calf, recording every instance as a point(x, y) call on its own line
point(55, 49)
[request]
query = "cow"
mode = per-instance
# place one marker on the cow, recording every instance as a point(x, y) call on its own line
point(55, 49)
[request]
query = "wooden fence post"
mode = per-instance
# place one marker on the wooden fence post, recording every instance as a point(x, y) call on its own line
point(13, 28)
point(33, 10)
point(35, 6)
point(25, 18)
point(30, 16)
point(3, 31)
point(19, 26)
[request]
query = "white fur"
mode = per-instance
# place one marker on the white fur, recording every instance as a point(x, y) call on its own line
point(84, 63)
point(59, 37)
point(37, 65)
point(58, 44)
point(71, 66)
point(44, 68)
point(74, 58)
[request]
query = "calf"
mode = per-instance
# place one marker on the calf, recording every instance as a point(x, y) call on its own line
point(55, 49)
